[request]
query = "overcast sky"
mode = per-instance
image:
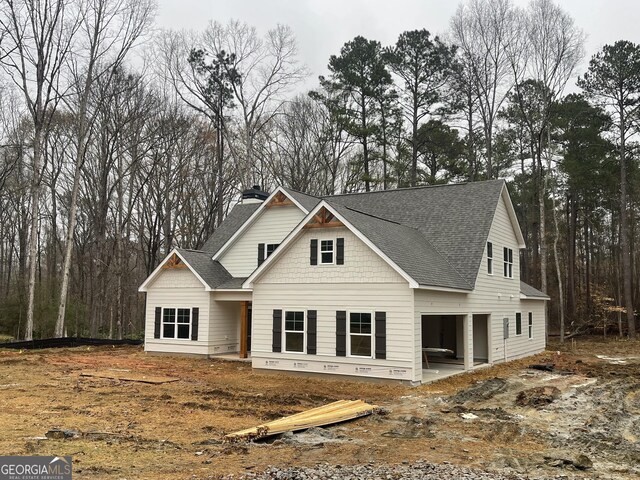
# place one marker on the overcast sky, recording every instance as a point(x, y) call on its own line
point(323, 26)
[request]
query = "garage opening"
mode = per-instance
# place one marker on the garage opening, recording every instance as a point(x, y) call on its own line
point(442, 341)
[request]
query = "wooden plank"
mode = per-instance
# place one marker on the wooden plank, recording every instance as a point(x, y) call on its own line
point(244, 327)
point(129, 377)
point(335, 412)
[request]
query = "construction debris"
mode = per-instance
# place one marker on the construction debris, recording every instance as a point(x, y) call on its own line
point(130, 377)
point(335, 412)
point(544, 367)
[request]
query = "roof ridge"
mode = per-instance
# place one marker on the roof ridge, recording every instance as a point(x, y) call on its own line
point(302, 193)
point(191, 250)
point(404, 189)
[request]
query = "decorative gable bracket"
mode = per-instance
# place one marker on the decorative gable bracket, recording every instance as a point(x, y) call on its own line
point(323, 219)
point(174, 263)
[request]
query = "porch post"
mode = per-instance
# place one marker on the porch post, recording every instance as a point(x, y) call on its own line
point(244, 323)
point(467, 334)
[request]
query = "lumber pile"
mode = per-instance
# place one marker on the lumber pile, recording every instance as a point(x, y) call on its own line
point(130, 377)
point(335, 412)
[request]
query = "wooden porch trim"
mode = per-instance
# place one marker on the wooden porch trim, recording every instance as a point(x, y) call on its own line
point(244, 328)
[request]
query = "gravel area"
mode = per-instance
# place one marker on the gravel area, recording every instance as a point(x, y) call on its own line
point(418, 470)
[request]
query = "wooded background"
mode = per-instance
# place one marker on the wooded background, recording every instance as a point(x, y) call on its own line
point(119, 142)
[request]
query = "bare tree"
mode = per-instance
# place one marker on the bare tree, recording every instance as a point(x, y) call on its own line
point(108, 31)
point(268, 67)
point(37, 41)
point(481, 30)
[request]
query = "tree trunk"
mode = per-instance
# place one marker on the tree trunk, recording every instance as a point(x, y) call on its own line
point(624, 231)
point(33, 236)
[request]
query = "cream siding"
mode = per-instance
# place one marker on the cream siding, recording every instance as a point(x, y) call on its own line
point(224, 326)
point(177, 288)
point(494, 295)
point(365, 283)
point(272, 226)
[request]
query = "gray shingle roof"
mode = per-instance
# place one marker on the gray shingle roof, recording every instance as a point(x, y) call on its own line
point(436, 234)
point(454, 218)
point(307, 201)
point(407, 248)
point(530, 291)
point(209, 270)
point(236, 218)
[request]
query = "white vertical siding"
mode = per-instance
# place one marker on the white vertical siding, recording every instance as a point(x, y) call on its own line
point(365, 283)
point(272, 226)
point(177, 288)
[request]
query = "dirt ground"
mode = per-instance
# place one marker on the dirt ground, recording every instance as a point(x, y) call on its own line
point(582, 419)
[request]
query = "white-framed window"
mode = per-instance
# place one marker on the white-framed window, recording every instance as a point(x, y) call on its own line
point(176, 323)
point(530, 325)
point(360, 334)
point(490, 258)
point(518, 323)
point(327, 254)
point(269, 248)
point(508, 262)
point(294, 331)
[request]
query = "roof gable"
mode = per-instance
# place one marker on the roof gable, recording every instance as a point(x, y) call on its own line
point(278, 197)
point(455, 218)
point(396, 244)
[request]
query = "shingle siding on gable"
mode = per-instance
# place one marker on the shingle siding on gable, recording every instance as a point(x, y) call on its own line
point(361, 264)
point(273, 225)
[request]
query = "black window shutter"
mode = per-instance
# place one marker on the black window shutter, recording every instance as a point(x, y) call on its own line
point(312, 326)
point(260, 253)
point(341, 333)
point(313, 256)
point(156, 326)
point(339, 251)
point(195, 313)
point(276, 345)
point(381, 335)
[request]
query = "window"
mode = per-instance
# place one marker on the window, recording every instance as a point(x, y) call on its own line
point(294, 332)
point(269, 248)
point(490, 258)
point(360, 337)
point(326, 252)
point(176, 323)
point(508, 262)
point(530, 324)
point(518, 323)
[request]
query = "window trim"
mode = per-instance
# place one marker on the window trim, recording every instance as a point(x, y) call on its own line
point(266, 249)
point(518, 315)
point(490, 258)
point(303, 331)
point(507, 262)
point(162, 323)
point(372, 335)
point(530, 325)
point(333, 251)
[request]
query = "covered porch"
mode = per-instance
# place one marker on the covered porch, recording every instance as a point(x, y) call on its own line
point(230, 324)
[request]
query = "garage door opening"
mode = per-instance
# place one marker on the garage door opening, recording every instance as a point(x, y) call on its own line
point(443, 340)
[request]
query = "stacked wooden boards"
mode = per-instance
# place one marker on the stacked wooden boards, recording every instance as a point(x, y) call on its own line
point(335, 412)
